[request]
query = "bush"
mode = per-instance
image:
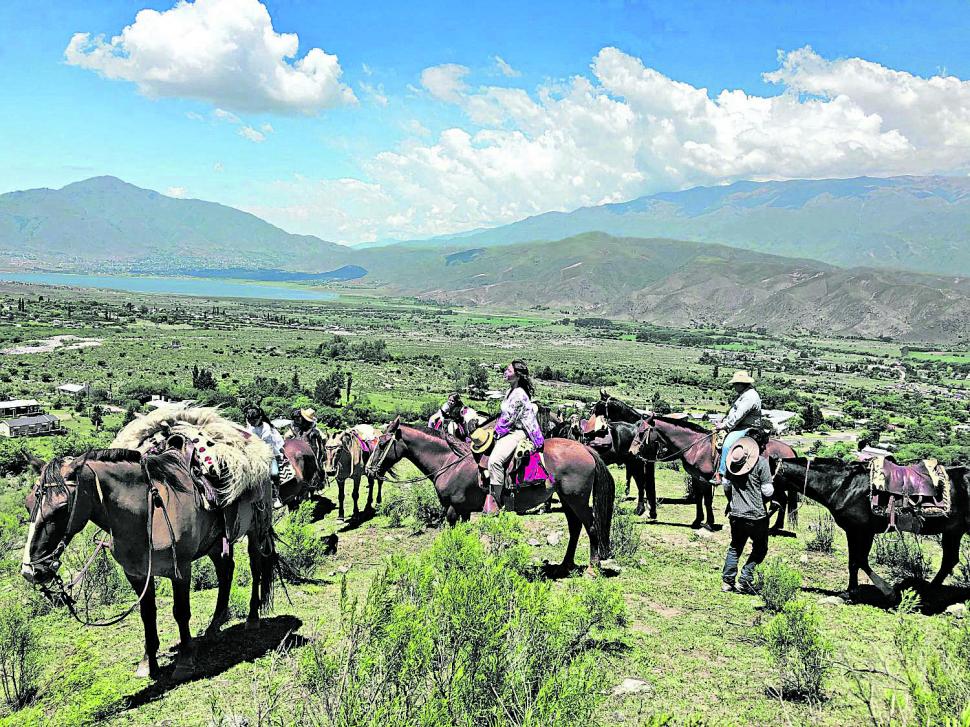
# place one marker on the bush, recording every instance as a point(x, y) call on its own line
point(778, 583)
point(823, 533)
point(459, 634)
point(903, 554)
point(19, 667)
point(300, 545)
point(624, 533)
point(204, 575)
point(799, 651)
point(416, 507)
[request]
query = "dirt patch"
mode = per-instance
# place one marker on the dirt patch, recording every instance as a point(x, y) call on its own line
point(68, 342)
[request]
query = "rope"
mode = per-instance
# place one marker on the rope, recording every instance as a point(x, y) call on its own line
point(679, 452)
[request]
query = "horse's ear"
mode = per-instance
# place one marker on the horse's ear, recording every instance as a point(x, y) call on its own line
point(395, 425)
point(603, 395)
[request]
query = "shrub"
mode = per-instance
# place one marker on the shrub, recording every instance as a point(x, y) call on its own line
point(778, 583)
point(823, 533)
point(799, 651)
point(416, 507)
point(19, 667)
point(903, 554)
point(300, 545)
point(624, 534)
point(204, 575)
point(459, 634)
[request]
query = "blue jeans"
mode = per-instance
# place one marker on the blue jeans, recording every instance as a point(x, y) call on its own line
point(729, 441)
point(743, 530)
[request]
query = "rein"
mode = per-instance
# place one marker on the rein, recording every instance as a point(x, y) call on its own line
point(675, 455)
point(413, 480)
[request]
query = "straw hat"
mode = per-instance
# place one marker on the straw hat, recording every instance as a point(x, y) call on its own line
point(743, 456)
point(309, 414)
point(741, 377)
point(482, 440)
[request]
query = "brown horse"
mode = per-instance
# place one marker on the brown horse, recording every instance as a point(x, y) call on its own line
point(345, 459)
point(577, 471)
point(306, 468)
point(151, 508)
point(680, 438)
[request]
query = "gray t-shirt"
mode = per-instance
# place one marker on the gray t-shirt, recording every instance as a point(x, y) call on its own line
point(747, 493)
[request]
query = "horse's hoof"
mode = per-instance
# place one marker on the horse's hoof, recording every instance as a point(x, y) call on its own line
point(653, 515)
point(591, 572)
point(146, 670)
point(696, 525)
point(184, 669)
point(252, 624)
point(341, 519)
point(708, 526)
point(639, 510)
point(216, 624)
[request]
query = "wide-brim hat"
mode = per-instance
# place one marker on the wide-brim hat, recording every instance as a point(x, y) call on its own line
point(743, 456)
point(741, 377)
point(309, 414)
point(482, 440)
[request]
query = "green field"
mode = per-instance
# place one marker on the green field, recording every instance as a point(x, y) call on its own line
point(700, 654)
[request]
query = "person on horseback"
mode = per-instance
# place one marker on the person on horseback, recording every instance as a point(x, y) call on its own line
point(747, 487)
point(516, 422)
point(259, 425)
point(744, 415)
point(304, 426)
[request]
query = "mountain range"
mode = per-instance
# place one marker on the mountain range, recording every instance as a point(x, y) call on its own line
point(616, 260)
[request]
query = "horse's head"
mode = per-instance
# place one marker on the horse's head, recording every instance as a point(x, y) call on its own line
point(336, 442)
point(388, 450)
point(55, 518)
point(646, 442)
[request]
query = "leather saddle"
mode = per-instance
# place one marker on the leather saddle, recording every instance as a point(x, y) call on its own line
point(596, 433)
point(193, 454)
point(526, 468)
point(906, 494)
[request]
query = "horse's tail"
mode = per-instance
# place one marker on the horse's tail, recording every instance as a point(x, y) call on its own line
point(604, 495)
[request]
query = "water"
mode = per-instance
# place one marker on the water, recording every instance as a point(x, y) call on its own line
point(206, 287)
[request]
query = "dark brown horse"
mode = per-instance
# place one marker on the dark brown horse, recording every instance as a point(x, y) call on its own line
point(142, 502)
point(691, 443)
point(306, 468)
point(623, 421)
point(844, 490)
point(578, 473)
point(345, 459)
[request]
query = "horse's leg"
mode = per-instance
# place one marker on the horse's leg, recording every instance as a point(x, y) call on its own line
point(182, 611)
point(951, 554)
point(698, 502)
point(370, 494)
point(148, 666)
point(356, 493)
point(451, 515)
point(256, 571)
point(859, 546)
point(582, 510)
point(629, 474)
point(636, 470)
point(709, 504)
point(575, 526)
point(224, 570)
point(340, 497)
point(781, 497)
point(650, 476)
point(380, 489)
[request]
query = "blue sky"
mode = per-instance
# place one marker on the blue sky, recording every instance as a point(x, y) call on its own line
point(408, 126)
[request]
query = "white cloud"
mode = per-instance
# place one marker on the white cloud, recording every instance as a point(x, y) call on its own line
point(194, 116)
point(225, 52)
point(627, 130)
point(218, 167)
point(375, 93)
point(445, 82)
point(505, 69)
point(177, 192)
point(248, 132)
point(227, 116)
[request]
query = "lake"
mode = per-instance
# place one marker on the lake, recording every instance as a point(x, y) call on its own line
point(205, 287)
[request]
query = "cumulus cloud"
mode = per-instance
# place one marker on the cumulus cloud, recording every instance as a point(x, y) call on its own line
point(374, 92)
point(177, 192)
point(445, 82)
point(505, 69)
point(225, 52)
point(626, 130)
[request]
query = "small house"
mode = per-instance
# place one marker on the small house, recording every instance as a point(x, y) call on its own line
point(30, 426)
point(19, 407)
point(75, 390)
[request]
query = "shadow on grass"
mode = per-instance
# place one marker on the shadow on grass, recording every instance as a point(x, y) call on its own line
point(216, 654)
point(933, 599)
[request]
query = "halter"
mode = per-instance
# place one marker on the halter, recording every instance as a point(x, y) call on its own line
point(675, 455)
point(38, 505)
point(411, 480)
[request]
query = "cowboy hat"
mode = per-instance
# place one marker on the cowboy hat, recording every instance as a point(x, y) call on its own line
point(741, 377)
point(309, 414)
point(482, 440)
point(743, 456)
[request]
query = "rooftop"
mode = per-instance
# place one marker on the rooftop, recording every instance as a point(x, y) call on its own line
point(28, 421)
point(17, 403)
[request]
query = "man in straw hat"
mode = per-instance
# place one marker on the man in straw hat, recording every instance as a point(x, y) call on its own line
point(747, 486)
point(744, 415)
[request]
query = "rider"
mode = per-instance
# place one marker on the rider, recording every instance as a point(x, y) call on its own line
point(744, 414)
point(304, 426)
point(258, 424)
point(516, 422)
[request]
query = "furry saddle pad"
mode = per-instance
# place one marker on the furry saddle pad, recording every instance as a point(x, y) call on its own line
point(243, 461)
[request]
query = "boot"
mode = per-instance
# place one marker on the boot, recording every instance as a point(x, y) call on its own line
point(492, 500)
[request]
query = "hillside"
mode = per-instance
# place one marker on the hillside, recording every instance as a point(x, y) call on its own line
point(674, 282)
point(104, 223)
point(912, 223)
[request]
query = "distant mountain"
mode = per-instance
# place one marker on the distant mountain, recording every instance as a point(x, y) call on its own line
point(910, 223)
point(682, 283)
point(107, 224)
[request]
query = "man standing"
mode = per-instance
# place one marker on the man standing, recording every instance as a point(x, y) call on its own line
point(747, 486)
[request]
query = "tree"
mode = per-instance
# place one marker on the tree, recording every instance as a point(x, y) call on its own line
point(812, 417)
point(477, 380)
point(295, 383)
point(328, 389)
point(97, 417)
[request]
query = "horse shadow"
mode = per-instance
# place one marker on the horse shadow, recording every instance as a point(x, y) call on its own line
point(322, 506)
point(933, 600)
point(219, 653)
point(361, 518)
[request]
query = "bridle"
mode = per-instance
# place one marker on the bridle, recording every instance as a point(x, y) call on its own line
point(38, 506)
point(638, 440)
point(382, 456)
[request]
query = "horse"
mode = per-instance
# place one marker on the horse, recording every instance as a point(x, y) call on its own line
point(307, 471)
point(158, 526)
point(344, 459)
point(692, 444)
point(844, 490)
point(623, 421)
point(577, 473)
point(458, 419)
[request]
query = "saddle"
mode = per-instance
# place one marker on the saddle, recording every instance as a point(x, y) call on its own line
point(526, 468)
point(908, 494)
point(198, 463)
point(596, 433)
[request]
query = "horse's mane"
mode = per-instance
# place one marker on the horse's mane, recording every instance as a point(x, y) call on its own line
point(826, 463)
point(114, 454)
point(169, 467)
point(457, 446)
point(685, 423)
